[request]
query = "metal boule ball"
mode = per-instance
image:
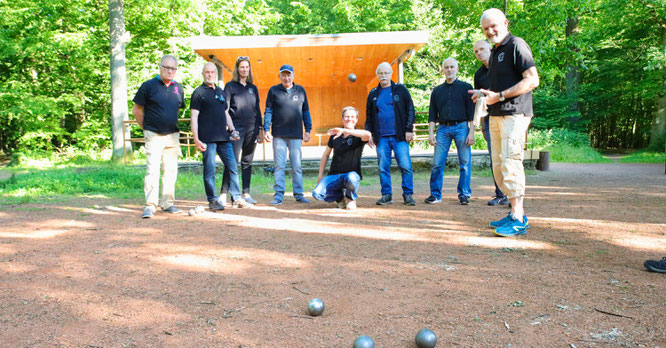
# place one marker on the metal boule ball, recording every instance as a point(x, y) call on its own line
point(364, 342)
point(191, 212)
point(425, 338)
point(316, 307)
point(351, 77)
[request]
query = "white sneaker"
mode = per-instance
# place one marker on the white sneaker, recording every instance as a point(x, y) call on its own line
point(351, 205)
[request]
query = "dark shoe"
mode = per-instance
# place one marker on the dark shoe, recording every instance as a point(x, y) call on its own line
point(432, 200)
point(215, 206)
point(249, 199)
point(464, 200)
point(513, 227)
point(409, 200)
point(172, 210)
point(302, 199)
point(386, 199)
point(656, 266)
point(147, 213)
point(498, 201)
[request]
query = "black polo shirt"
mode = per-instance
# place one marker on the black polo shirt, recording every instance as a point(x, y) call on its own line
point(243, 104)
point(288, 109)
point(481, 78)
point(346, 155)
point(212, 120)
point(160, 105)
point(451, 102)
point(507, 63)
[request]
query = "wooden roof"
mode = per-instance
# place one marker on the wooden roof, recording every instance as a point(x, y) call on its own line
point(318, 60)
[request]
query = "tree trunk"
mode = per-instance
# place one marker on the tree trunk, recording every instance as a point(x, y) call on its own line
point(572, 75)
point(118, 80)
point(658, 126)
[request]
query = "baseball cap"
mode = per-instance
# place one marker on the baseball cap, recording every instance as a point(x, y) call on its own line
point(287, 68)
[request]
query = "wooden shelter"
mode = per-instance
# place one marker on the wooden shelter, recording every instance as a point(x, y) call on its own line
point(321, 64)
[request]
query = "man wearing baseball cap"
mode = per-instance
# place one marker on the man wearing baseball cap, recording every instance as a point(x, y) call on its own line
point(287, 111)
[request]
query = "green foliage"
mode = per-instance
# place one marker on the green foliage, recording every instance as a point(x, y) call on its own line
point(644, 157)
point(564, 145)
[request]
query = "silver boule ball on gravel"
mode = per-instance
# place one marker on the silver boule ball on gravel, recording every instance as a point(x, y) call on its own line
point(351, 77)
point(316, 307)
point(364, 342)
point(426, 339)
point(191, 212)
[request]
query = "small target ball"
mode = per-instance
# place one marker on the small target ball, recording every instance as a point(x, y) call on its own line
point(364, 342)
point(426, 339)
point(191, 212)
point(351, 77)
point(316, 307)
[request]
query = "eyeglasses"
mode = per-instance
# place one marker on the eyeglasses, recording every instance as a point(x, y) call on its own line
point(243, 58)
point(168, 68)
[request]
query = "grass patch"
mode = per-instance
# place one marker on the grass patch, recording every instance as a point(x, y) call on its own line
point(644, 157)
point(561, 152)
point(63, 182)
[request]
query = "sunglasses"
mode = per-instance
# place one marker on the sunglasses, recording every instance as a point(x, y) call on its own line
point(243, 58)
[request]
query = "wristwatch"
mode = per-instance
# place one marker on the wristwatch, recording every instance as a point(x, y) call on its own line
point(501, 96)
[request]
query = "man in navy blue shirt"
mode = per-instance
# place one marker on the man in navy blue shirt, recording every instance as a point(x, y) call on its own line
point(390, 119)
point(452, 110)
point(156, 107)
point(213, 130)
point(512, 76)
point(287, 111)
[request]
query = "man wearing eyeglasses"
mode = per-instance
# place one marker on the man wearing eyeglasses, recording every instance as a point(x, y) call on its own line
point(156, 107)
point(287, 110)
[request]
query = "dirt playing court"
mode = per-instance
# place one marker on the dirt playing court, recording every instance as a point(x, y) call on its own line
point(90, 273)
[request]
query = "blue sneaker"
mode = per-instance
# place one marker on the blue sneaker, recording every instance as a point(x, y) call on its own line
point(513, 227)
point(503, 221)
point(302, 199)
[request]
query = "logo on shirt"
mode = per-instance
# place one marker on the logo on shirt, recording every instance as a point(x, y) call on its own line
point(500, 57)
point(175, 91)
point(349, 141)
point(294, 98)
point(220, 98)
point(251, 91)
point(396, 98)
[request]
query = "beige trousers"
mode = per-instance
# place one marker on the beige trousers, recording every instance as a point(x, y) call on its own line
point(162, 150)
point(507, 136)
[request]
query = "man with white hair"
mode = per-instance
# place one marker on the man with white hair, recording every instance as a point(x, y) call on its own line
point(512, 77)
point(452, 110)
point(390, 119)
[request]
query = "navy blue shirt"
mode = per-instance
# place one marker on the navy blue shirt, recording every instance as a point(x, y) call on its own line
point(451, 102)
point(212, 120)
point(385, 113)
point(243, 104)
point(160, 105)
point(507, 63)
point(288, 111)
point(481, 81)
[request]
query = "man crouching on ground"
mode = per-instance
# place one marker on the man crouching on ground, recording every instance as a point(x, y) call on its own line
point(341, 183)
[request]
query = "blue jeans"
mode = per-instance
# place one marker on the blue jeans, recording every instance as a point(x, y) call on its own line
point(226, 153)
point(280, 147)
point(401, 150)
point(445, 134)
point(335, 187)
point(486, 135)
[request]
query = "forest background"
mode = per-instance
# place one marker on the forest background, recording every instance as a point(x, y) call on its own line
point(601, 63)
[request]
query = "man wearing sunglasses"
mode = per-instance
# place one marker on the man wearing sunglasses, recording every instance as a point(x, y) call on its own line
point(156, 107)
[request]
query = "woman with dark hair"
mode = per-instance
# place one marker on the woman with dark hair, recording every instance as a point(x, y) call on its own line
point(243, 98)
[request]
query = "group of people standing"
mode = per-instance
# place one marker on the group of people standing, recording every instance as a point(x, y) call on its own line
point(228, 122)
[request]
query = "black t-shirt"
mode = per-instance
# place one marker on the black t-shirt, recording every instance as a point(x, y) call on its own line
point(507, 63)
point(346, 154)
point(451, 102)
point(481, 78)
point(288, 109)
point(243, 104)
point(160, 105)
point(212, 121)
